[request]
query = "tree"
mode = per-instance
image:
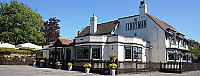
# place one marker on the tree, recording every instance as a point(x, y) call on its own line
point(51, 30)
point(20, 24)
point(194, 46)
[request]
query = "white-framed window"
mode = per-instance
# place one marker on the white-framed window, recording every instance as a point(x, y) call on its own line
point(171, 55)
point(82, 52)
point(96, 52)
point(137, 53)
point(128, 53)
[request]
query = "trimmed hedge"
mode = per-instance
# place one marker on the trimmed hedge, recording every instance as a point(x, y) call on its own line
point(14, 51)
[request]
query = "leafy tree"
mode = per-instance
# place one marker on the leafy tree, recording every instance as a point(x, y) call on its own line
point(20, 24)
point(52, 30)
point(194, 46)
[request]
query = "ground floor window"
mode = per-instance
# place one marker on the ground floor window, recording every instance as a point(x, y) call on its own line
point(134, 53)
point(96, 52)
point(174, 55)
point(137, 52)
point(135, 56)
point(127, 52)
point(171, 56)
point(82, 52)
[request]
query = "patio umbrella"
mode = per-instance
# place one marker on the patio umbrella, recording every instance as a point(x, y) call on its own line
point(29, 46)
point(7, 46)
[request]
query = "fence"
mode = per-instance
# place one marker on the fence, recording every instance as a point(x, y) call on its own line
point(101, 66)
point(16, 61)
point(98, 66)
point(135, 67)
point(179, 67)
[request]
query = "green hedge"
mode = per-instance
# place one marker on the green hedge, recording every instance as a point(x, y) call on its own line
point(14, 51)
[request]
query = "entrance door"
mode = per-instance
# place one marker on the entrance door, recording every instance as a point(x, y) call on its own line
point(68, 54)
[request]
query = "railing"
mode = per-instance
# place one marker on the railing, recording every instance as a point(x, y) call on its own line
point(174, 67)
point(101, 66)
point(179, 67)
point(136, 66)
point(98, 66)
point(16, 61)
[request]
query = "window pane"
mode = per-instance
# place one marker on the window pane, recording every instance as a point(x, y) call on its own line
point(171, 56)
point(139, 52)
point(184, 57)
point(127, 52)
point(79, 52)
point(177, 57)
point(85, 52)
point(96, 52)
point(135, 52)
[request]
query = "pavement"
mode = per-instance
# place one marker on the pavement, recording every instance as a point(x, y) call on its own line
point(22, 70)
point(192, 73)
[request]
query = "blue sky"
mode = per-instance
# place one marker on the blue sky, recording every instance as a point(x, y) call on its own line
point(184, 15)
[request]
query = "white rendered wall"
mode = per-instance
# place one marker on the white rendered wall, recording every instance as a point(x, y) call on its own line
point(46, 54)
point(152, 33)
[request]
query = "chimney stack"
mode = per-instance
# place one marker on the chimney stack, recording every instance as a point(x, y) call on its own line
point(79, 32)
point(143, 8)
point(93, 24)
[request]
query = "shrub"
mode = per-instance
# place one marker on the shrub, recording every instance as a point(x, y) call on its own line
point(112, 66)
point(42, 61)
point(88, 65)
point(69, 64)
point(34, 60)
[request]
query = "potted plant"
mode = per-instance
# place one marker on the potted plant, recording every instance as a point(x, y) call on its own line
point(87, 67)
point(112, 57)
point(69, 66)
point(58, 64)
point(34, 62)
point(42, 63)
point(112, 68)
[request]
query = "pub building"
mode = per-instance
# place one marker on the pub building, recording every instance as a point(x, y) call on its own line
point(140, 37)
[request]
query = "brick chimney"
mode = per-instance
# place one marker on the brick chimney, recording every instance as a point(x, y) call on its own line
point(143, 8)
point(78, 32)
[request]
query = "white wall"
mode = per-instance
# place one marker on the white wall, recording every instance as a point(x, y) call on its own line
point(45, 54)
point(152, 33)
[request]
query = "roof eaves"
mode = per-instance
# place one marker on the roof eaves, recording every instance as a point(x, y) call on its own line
point(128, 17)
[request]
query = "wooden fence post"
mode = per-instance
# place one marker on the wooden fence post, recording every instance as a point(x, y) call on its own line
point(161, 66)
point(180, 68)
point(117, 62)
point(73, 60)
point(150, 66)
point(136, 66)
point(91, 61)
point(0, 61)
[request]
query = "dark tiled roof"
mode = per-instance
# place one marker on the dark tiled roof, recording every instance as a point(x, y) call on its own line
point(104, 28)
point(161, 23)
point(63, 42)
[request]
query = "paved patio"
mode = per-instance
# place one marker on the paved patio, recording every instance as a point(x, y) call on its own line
point(21, 70)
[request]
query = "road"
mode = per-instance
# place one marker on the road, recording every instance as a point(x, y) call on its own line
point(21, 70)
